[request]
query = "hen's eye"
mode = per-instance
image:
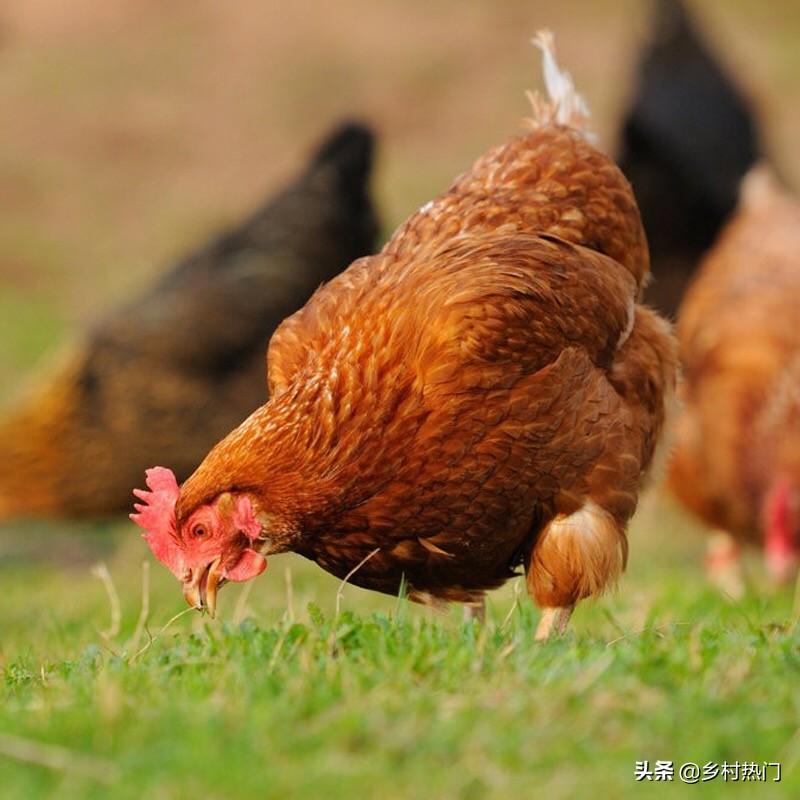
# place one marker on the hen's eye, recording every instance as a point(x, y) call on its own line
point(199, 531)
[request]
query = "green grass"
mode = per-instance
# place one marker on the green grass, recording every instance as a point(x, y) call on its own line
point(283, 697)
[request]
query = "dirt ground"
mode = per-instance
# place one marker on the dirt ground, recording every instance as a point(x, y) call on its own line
point(132, 128)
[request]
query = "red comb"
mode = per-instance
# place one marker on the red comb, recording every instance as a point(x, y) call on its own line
point(156, 516)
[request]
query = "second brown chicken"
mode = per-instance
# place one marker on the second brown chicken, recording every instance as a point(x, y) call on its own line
point(736, 463)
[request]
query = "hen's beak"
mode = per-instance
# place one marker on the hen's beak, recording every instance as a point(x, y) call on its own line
point(200, 588)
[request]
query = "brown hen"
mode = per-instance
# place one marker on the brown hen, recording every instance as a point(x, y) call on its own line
point(484, 393)
point(736, 463)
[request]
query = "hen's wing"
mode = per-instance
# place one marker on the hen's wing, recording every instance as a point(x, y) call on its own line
point(503, 303)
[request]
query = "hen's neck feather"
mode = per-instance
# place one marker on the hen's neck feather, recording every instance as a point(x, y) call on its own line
point(320, 447)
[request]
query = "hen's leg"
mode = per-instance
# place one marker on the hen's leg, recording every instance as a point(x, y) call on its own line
point(724, 565)
point(475, 611)
point(575, 556)
point(553, 622)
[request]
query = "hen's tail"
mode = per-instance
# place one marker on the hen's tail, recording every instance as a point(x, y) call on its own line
point(34, 439)
point(563, 105)
point(348, 153)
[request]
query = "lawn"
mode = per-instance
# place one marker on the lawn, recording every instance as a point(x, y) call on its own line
point(134, 129)
point(306, 688)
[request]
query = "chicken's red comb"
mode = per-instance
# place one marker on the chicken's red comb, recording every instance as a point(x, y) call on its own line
point(156, 516)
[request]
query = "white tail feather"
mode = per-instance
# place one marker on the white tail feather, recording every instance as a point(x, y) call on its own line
point(563, 106)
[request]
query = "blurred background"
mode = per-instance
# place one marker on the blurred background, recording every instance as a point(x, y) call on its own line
point(133, 129)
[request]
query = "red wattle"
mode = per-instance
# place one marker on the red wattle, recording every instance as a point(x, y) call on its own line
point(250, 565)
point(780, 548)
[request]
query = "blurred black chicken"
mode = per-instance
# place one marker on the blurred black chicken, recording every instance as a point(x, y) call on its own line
point(688, 140)
point(160, 380)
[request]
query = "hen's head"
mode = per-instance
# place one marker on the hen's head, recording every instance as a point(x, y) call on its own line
point(213, 544)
